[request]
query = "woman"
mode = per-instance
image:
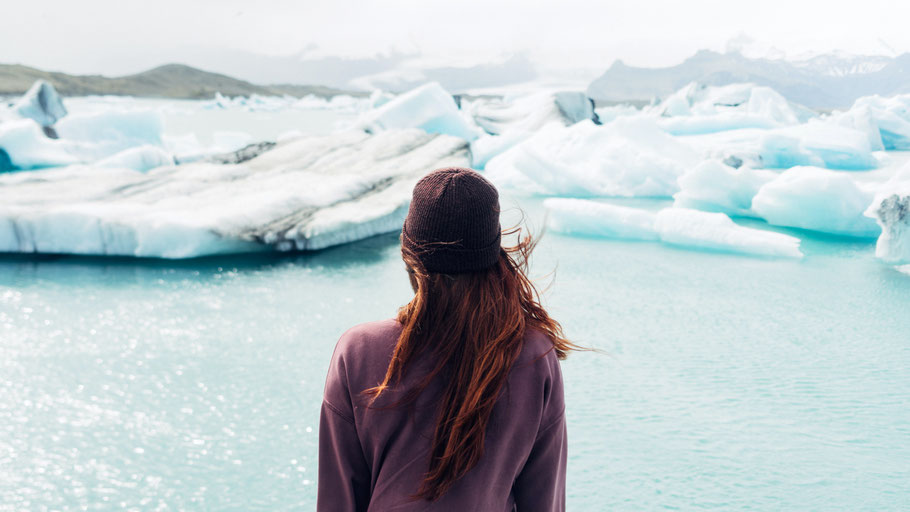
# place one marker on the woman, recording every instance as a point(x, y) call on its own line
point(457, 404)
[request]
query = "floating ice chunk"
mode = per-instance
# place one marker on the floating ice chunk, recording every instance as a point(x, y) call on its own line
point(591, 218)
point(379, 98)
point(893, 215)
point(513, 119)
point(677, 226)
point(428, 107)
point(41, 103)
point(886, 121)
point(891, 209)
point(307, 193)
point(25, 146)
point(529, 112)
point(141, 158)
point(818, 200)
point(715, 231)
point(224, 141)
point(628, 157)
point(860, 118)
point(611, 112)
point(819, 144)
point(101, 134)
point(698, 109)
point(715, 187)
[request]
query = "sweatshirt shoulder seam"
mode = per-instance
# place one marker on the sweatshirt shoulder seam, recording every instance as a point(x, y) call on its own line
point(552, 424)
point(338, 412)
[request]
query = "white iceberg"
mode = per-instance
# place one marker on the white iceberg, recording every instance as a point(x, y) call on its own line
point(24, 145)
point(893, 215)
point(630, 157)
point(717, 232)
point(816, 143)
point(819, 144)
point(428, 107)
point(591, 218)
point(306, 193)
point(510, 120)
point(716, 187)
point(698, 109)
point(41, 103)
point(141, 158)
point(816, 199)
point(885, 121)
point(891, 209)
point(677, 226)
point(80, 138)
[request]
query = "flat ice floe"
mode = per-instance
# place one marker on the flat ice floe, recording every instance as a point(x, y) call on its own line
point(677, 226)
point(306, 193)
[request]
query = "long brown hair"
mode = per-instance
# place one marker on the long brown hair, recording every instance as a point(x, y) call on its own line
point(473, 324)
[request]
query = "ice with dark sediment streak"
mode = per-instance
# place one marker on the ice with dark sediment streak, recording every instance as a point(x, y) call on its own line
point(307, 193)
point(41, 103)
point(891, 210)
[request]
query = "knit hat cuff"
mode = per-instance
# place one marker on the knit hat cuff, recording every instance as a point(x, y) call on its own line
point(451, 257)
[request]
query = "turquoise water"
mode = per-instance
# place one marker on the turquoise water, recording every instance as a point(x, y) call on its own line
point(729, 382)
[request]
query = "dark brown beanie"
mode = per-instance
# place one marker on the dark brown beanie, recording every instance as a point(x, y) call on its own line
point(453, 222)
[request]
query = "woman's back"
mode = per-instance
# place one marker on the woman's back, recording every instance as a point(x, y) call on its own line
point(374, 457)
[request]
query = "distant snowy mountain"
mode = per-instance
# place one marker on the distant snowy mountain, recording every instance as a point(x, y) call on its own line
point(824, 81)
point(842, 64)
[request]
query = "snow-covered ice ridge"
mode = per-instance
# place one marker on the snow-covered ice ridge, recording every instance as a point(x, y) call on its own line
point(737, 150)
point(308, 193)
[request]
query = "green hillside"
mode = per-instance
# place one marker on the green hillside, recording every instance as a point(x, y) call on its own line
point(169, 81)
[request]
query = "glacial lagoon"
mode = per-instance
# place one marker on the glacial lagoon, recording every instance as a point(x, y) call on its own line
point(723, 381)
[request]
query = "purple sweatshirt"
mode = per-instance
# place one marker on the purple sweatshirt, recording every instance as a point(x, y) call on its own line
point(372, 459)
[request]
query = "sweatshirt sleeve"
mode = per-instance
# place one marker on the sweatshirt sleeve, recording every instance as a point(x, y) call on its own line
point(344, 476)
point(541, 485)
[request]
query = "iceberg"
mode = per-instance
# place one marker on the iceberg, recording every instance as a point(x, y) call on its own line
point(816, 143)
point(428, 107)
point(79, 138)
point(24, 145)
point(717, 232)
point(699, 109)
point(683, 227)
point(716, 187)
point(510, 120)
point(141, 158)
point(893, 215)
point(891, 210)
point(41, 103)
point(629, 157)
point(819, 144)
point(102, 134)
point(886, 121)
point(816, 199)
point(591, 218)
point(306, 193)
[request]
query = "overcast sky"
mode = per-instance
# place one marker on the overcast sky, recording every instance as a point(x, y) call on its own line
point(126, 36)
